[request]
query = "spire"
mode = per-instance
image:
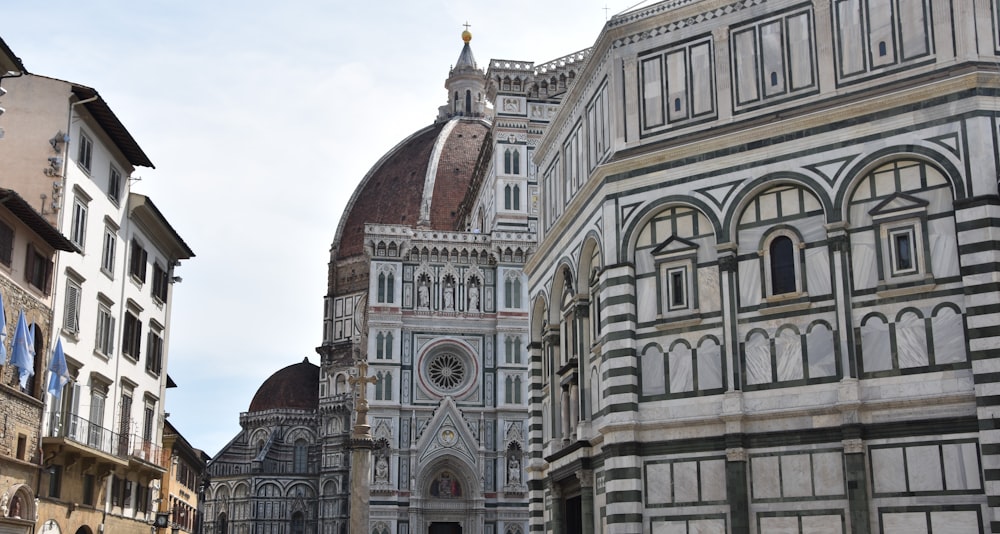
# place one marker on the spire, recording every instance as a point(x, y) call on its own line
point(465, 59)
point(465, 85)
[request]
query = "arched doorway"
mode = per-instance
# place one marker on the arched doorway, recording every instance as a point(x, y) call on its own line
point(449, 499)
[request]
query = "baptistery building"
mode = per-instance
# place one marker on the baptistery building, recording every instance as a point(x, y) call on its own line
point(764, 297)
point(732, 269)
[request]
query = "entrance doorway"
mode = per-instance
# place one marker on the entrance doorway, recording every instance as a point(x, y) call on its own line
point(574, 514)
point(445, 528)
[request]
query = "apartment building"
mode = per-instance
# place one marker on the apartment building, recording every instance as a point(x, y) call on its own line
point(70, 157)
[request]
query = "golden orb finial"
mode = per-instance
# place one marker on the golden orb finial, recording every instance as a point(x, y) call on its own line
point(466, 36)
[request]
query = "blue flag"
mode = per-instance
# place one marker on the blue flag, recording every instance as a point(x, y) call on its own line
point(21, 353)
point(58, 372)
point(3, 334)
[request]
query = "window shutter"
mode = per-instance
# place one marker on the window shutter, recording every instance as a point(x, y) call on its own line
point(6, 244)
point(47, 281)
point(71, 319)
point(29, 262)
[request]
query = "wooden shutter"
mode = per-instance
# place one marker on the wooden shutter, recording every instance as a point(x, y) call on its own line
point(71, 320)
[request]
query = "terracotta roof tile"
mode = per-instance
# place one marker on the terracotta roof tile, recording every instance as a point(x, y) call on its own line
point(391, 193)
point(294, 387)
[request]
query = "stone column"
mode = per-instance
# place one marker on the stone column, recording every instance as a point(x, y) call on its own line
point(736, 489)
point(586, 478)
point(361, 454)
point(361, 466)
point(841, 254)
point(727, 285)
point(556, 506)
point(565, 402)
point(629, 122)
point(857, 485)
point(574, 409)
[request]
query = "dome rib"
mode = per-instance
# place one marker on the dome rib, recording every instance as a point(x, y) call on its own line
point(420, 182)
point(409, 158)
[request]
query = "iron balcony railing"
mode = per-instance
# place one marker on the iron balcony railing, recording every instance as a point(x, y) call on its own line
point(75, 428)
point(149, 452)
point(124, 446)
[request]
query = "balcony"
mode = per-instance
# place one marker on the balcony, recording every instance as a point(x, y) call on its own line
point(77, 439)
point(147, 456)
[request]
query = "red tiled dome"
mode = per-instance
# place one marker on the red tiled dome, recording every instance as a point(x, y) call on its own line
point(393, 190)
point(294, 387)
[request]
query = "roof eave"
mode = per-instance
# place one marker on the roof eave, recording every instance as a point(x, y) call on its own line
point(34, 220)
point(109, 122)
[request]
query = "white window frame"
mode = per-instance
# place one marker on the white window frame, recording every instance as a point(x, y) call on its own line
point(154, 349)
point(672, 302)
point(894, 235)
point(765, 254)
point(108, 251)
point(138, 259)
point(676, 255)
point(71, 308)
point(78, 230)
point(891, 273)
point(115, 185)
point(105, 338)
point(909, 220)
point(85, 152)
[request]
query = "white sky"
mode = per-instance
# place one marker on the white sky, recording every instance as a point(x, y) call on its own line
point(261, 118)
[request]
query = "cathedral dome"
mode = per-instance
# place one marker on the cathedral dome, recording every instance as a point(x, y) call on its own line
point(419, 183)
point(295, 387)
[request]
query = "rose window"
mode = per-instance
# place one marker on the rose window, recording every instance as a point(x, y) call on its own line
point(446, 371)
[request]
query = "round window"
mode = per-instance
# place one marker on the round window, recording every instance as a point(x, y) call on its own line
point(446, 371)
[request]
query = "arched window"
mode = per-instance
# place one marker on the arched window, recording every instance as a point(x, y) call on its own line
point(512, 292)
point(383, 346)
point(517, 162)
point(455, 103)
point(516, 194)
point(508, 161)
point(506, 197)
point(301, 456)
point(386, 287)
point(512, 344)
point(517, 390)
point(223, 524)
point(509, 390)
point(383, 386)
point(468, 102)
point(782, 256)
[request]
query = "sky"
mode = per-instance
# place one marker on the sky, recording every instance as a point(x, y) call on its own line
point(261, 118)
